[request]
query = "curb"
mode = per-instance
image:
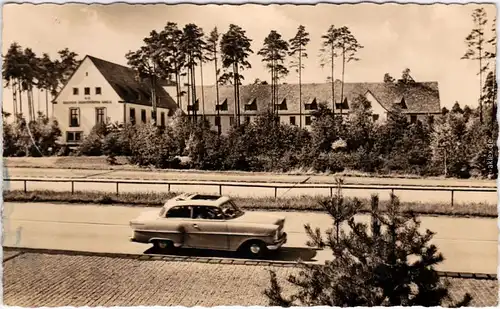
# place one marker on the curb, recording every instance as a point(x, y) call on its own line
point(207, 260)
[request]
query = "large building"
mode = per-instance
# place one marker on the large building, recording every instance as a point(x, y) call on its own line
point(419, 101)
point(100, 91)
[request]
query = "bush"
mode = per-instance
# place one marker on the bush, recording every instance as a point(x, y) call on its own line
point(37, 138)
point(93, 143)
point(149, 147)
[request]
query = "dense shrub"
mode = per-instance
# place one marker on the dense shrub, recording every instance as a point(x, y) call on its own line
point(36, 138)
point(93, 143)
point(457, 144)
point(150, 147)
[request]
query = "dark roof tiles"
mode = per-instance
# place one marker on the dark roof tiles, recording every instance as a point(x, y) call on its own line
point(418, 97)
point(131, 90)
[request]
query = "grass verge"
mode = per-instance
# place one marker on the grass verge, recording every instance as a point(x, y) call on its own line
point(305, 203)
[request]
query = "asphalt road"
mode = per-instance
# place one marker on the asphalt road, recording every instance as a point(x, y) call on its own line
point(257, 179)
point(469, 245)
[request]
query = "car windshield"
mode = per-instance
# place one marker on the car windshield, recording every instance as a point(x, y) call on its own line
point(231, 211)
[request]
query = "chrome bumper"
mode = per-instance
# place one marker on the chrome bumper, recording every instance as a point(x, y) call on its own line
point(279, 243)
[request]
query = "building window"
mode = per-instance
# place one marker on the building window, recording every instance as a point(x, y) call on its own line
point(292, 120)
point(73, 136)
point(413, 119)
point(74, 117)
point(375, 117)
point(308, 120)
point(217, 121)
point(98, 90)
point(231, 120)
point(100, 115)
point(143, 115)
point(75, 91)
point(132, 115)
point(86, 91)
point(162, 119)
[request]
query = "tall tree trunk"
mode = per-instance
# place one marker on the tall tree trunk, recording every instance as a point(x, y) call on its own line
point(238, 93)
point(235, 96)
point(33, 104)
point(342, 86)
point(47, 103)
point(300, 87)
point(38, 100)
point(20, 98)
point(202, 91)
point(14, 99)
point(217, 89)
point(179, 90)
point(194, 97)
point(333, 80)
point(480, 84)
point(188, 76)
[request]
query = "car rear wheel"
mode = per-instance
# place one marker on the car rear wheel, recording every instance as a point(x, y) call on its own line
point(255, 249)
point(163, 245)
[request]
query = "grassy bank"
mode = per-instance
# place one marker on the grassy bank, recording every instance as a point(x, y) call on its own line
point(100, 163)
point(305, 203)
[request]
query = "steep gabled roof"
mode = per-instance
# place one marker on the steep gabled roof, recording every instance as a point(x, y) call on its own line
point(129, 88)
point(418, 97)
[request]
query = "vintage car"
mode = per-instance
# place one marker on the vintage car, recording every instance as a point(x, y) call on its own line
point(209, 222)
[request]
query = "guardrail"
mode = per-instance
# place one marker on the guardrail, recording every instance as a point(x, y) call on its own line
point(275, 186)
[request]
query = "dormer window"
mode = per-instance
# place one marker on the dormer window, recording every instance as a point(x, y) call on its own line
point(282, 106)
point(251, 105)
point(401, 103)
point(342, 105)
point(312, 106)
point(194, 107)
point(221, 106)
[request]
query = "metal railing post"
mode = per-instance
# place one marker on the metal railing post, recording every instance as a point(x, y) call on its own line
point(168, 187)
point(72, 187)
point(117, 189)
point(25, 186)
point(331, 191)
point(452, 193)
point(275, 192)
point(220, 189)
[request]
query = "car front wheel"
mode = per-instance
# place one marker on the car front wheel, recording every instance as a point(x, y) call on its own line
point(255, 249)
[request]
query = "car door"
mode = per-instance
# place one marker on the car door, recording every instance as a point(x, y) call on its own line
point(170, 225)
point(207, 229)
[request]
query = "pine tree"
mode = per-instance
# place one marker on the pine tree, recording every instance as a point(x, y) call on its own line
point(273, 54)
point(235, 49)
point(328, 54)
point(298, 50)
point(475, 49)
point(386, 263)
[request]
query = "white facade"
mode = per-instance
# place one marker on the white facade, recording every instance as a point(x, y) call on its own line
point(88, 99)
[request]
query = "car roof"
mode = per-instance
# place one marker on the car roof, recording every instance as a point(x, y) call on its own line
point(197, 200)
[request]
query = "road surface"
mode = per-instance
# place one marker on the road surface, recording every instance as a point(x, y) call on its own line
point(469, 245)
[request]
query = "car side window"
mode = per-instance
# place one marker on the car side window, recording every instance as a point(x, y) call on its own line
point(207, 213)
point(179, 212)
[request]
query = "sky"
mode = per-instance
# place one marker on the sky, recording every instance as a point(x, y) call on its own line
point(428, 39)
